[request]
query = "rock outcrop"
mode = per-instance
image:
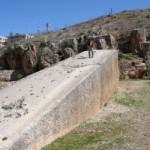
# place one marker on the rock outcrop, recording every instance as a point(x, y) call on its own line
point(11, 75)
point(22, 57)
point(147, 54)
point(136, 41)
point(29, 60)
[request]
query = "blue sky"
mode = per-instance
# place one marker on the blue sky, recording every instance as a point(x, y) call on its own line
point(26, 16)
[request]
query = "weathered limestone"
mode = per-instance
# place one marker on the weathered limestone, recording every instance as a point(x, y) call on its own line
point(43, 106)
point(147, 54)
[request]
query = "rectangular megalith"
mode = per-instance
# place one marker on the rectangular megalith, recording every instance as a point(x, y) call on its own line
point(44, 106)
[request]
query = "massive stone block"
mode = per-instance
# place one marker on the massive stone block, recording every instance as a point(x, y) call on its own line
point(43, 106)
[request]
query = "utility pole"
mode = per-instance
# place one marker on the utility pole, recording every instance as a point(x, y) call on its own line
point(47, 27)
point(111, 11)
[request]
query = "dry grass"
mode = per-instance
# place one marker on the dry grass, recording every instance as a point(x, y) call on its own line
point(117, 130)
point(119, 24)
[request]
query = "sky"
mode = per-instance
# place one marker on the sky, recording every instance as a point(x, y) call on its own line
point(29, 16)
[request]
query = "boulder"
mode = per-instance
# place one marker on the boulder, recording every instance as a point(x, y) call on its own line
point(11, 59)
point(104, 41)
point(132, 69)
point(136, 41)
point(46, 57)
point(68, 52)
point(29, 59)
point(100, 43)
point(22, 57)
point(14, 56)
point(133, 74)
point(69, 43)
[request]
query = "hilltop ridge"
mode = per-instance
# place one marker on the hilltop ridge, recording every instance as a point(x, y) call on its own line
point(127, 31)
point(118, 24)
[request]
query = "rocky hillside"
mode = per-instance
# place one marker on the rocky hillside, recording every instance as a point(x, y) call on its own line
point(119, 25)
point(127, 31)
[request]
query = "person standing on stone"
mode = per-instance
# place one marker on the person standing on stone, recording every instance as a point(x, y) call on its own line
point(90, 44)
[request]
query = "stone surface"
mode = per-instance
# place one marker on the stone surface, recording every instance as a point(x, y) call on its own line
point(147, 54)
point(43, 106)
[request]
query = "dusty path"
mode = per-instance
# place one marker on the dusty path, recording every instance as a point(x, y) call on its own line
point(123, 123)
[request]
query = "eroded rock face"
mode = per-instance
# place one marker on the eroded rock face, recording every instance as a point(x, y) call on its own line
point(136, 41)
point(14, 56)
point(29, 60)
point(11, 75)
point(68, 52)
point(2, 61)
point(104, 41)
point(147, 54)
point(11, 59)
point(47, 55)
point(22, 57)
point(70, 43)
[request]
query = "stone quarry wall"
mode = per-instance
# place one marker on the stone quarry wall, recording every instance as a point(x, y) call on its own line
point(81, 87)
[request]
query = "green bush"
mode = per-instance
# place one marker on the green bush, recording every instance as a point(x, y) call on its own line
point(127, 56)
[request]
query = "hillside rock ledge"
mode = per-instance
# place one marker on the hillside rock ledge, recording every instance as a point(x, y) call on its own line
point(44, 106)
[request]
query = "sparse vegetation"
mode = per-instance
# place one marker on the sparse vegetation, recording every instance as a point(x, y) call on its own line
point(128, 130)
point(129, 20)
point(100, 135)
point(128, 56)
point(137, 99)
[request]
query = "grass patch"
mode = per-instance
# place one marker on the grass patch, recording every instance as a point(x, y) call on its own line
point(101, 135)
point(138, 99)
point(115, 131)
point(122, 56)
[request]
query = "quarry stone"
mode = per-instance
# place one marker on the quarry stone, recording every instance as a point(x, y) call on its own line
point(36, 110)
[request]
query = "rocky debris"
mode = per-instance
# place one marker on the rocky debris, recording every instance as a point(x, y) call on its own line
point(31, 59)
point(11, 75)
point(135, 42)
point(132, 70)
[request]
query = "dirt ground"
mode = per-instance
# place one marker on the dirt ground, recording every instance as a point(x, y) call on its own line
point(122, 124)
